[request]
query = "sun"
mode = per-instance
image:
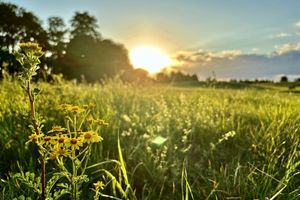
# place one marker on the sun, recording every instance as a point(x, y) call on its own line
point(150, 58)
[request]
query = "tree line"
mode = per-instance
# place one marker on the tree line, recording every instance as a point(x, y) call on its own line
point(75, 50)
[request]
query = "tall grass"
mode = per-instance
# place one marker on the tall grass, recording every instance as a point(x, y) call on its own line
point(175, 141)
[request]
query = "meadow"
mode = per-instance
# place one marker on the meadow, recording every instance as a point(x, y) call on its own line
point(177, 142)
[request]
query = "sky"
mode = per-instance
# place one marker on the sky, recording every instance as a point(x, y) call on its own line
point(236, 35)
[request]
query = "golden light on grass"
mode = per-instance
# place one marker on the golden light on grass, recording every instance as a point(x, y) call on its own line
point(150, 58)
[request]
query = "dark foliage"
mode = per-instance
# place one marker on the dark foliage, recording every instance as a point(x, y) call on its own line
point(175, 77)
point(284, 79)
point(76, 51)
point(136, 75)
point(8, 63)
point(18, 25)
point(57, 35)
point(93, 58)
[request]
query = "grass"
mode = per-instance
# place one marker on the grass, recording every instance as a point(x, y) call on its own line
point(174, 142)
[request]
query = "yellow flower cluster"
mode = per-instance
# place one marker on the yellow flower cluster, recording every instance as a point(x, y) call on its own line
point(62, 144)
point(91, 105)
point(99, 122)
point(31, 48)
point(61, 141)
point(71, 108)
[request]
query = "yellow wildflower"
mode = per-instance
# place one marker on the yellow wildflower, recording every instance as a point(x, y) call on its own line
point(47, 140)
point(90, 119)
point(99, 122)
point(91, 137)
point(58, 151)
point(61, 139)
point(76, 109)
point(71, 109)
point(74, 143)
point(65, 106)
point(57, 129)
point(99, 185)
point(89, 106)
point(35, 137)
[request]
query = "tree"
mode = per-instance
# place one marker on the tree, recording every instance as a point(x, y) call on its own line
point(33, 30)
point(84, 24)
point(76, 61)
point(9, 28)
point(87, 54)
point(136, 75)
point(8, 63)
point(94, 59)
point(194, 77)
point(284, 79)
point(162, 77)
point(112, 57)
point(18, 25)
point(56, 33)
point(175, 76)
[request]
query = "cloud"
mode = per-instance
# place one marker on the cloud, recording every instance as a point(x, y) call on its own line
point(282, 35)
point(192, 56)
point(201, 56)
point(285, 48)
point(233, 64)
point(297, 24)
point(230, 54)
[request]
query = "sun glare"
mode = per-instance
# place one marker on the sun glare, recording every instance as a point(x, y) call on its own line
point(149, 58)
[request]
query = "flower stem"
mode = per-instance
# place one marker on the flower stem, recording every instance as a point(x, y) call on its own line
point(37, 131)
point(74, 177)
point(74, 181)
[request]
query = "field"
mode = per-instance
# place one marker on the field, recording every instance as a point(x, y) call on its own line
point(177, 142)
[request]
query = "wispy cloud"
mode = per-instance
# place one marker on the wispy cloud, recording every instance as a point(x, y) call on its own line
point(201, 56)
point(286, 48)
point(230, 54)
point(297, 24)
point(283, 35)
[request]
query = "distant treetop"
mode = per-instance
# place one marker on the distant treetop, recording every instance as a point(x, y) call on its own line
point(83, 24)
